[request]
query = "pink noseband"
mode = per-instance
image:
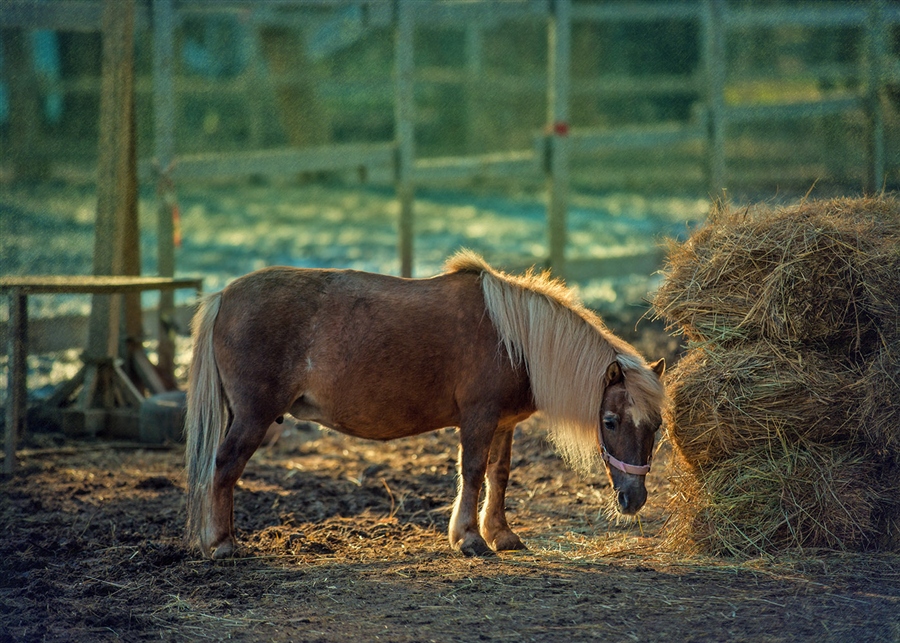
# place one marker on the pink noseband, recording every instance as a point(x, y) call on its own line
point(633, 469)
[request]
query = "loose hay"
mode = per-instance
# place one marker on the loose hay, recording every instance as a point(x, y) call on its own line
point(786, 407)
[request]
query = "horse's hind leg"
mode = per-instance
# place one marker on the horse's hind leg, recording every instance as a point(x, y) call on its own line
point(474, 444)
point(494, 527)
point(243, 438)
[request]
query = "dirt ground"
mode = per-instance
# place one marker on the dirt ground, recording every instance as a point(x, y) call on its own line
point(345, 540)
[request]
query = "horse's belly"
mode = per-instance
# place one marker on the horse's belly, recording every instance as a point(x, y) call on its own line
point(374, 421)
point(382, 431)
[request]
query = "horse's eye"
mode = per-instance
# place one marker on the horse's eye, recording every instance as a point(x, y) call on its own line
point(610, 422)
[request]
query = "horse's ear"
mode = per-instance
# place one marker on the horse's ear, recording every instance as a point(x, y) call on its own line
point(659, 367)
point(613, 373)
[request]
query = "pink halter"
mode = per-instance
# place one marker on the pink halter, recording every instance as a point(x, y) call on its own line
point(638, 470)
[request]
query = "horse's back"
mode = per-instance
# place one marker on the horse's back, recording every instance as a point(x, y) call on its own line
point(378, 356)
point(279, 305)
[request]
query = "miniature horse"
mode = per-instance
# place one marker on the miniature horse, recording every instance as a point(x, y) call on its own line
point(381, 357)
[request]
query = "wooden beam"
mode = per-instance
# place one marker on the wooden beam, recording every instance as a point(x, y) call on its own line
point(473, 73)
point(584, 269)
point(876, 52)
point(17, 390)
point(587, 141)
point(60, 15)
point(794, 16)
point(53, 334)
point(404, 131)
point(713, 61)
point(791, 111)
point(278, 162)
point(299, 107)
point(96, 284)
point(116, 178)
point(609, 84)
point(34, 14)
point(558, 85)
point(103, 383)
point(164, 115)
point(635, 11)
point(486, 13)
point(24, 105)
point(449, 168)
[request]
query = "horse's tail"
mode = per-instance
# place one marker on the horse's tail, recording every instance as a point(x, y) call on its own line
point(205, 422)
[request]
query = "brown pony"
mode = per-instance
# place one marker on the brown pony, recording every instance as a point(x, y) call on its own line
point(381, 357)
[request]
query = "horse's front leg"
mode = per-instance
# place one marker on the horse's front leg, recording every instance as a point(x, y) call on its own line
point(475, 435)
point(494, 527)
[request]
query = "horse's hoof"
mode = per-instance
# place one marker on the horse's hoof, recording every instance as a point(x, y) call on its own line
point(475, 546)
point(224, 550)
point(507, 541)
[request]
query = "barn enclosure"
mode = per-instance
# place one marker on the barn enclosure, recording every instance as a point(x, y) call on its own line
point(160, 145)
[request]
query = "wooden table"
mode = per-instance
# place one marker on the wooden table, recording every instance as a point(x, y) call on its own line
point(18, 289)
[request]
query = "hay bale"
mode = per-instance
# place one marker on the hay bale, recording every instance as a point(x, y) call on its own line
point(786, 407)
point(725, 401)
point(778, 497)
point(889, 507)
point(822, 272)
point(877, 413)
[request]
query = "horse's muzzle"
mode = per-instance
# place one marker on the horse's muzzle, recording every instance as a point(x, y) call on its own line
point(630, 499)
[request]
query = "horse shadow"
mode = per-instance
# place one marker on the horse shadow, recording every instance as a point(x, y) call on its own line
point(300, 487)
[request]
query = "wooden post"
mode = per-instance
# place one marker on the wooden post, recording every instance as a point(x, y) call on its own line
point(558, 81)
point(404, 130)
point(304, 119)
point(164, 144)
point(259, 90)
point(713, 52)
point(473, 51)
point(24, 106)
point(116, 174)
point(128, 241)
point(875, 52)
point(17, 404)
point(116, 242)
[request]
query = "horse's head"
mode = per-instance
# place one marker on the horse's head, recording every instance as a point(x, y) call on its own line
point(626, 446)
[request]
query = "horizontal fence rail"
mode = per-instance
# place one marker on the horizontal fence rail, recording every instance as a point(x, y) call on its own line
point(280, 162)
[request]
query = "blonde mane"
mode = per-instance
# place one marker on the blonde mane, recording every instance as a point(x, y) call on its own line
point(566, 350)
